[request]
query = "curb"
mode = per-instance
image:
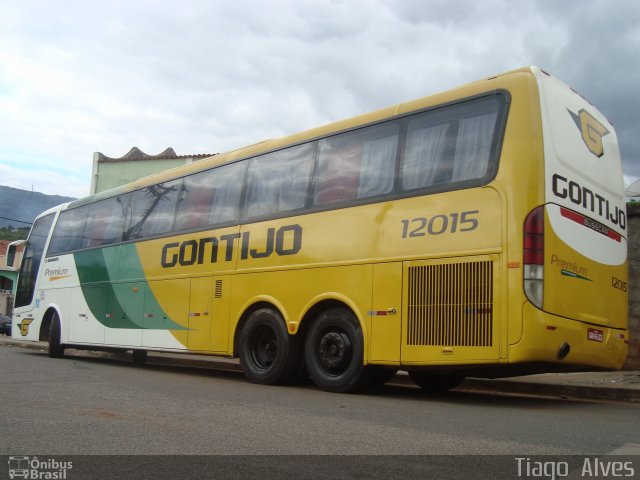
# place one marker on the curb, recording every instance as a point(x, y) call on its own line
point(559, 391)
point(556, 390)
point(551, 390)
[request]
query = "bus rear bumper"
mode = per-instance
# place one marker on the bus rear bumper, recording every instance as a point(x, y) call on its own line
point(549, 338)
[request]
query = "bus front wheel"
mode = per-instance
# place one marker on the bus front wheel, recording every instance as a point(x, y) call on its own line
point(139, 357)
point(334, 352)
point(56, 349)
point(268, 354)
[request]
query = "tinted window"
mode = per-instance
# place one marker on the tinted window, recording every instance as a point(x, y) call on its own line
point(279, 181)
point(451, 145)
point(105, 224)
point(68, 233)
point(210, 198)
point(31, 260)
point(358, 164)
point(152, 209)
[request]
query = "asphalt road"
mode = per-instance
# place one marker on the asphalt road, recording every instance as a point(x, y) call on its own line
point(98, 406)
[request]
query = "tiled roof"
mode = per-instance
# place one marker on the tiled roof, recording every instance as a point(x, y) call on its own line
point(136, 154)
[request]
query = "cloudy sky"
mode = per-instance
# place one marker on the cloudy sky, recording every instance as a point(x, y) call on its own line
point(206, 76)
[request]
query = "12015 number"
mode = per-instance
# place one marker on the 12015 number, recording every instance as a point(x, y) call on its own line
point(439, 224)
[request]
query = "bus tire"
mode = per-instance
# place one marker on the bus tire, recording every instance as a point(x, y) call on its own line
point(268, 354)
point(435, 383)
point(379, 375)
point(56, 349)
point(139, 357)
point(334, 352)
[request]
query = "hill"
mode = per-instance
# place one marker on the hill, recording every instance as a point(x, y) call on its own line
point(24, 205)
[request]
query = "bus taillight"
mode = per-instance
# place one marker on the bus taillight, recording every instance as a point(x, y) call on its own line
point(534, 256)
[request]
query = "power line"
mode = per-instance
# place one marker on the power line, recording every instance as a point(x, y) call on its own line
point(14, 220)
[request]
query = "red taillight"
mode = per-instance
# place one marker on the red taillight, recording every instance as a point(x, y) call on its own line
point(533, 256)
point(534, 237)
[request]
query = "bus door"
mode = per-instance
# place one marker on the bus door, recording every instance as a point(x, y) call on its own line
point(25, 302)
point(208, 314)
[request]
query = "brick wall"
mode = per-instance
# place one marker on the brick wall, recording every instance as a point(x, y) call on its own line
point(633, 361)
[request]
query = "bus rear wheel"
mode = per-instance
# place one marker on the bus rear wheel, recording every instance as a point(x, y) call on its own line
point(268, 354)
point(56, 349)
point(334, 352)
point(435, 383)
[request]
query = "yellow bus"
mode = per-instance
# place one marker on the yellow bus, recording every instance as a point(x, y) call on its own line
point(478, 232)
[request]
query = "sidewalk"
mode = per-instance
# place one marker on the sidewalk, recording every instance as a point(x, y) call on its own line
point(621, 386)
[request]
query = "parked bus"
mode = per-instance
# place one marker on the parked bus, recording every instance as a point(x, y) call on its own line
point(480, 231)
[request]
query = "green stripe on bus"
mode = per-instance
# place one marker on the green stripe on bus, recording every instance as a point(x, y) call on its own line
point(119, 304)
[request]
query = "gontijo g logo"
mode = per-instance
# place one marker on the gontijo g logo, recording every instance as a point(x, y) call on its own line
point(24, 326)
point(592, 131)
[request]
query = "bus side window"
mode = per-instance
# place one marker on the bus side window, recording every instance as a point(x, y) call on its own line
point(473, 146)
point(210, 198)
point(105, 224)
point(227, 187)
point(153, 209)
point(338, 172)
point(379, 152)
point(278, 181)
point(68, 234)
point(358, 164)
point(195, 199)
point(425, 157)
point(95, 230)
point(451, 145)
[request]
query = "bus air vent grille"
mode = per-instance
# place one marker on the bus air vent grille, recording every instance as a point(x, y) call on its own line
point(218, 289)
point(451, 304)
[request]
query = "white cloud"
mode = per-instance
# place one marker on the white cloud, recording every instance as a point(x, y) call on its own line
point(632, 186)
point(80, 77)
point(46, 181)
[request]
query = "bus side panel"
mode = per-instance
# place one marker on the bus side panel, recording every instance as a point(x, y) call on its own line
point(386, 313)
point(166, 313)
point(83, 327)
point(295, 292)
point(181, 312)
point(209, 314)
point(60, 286)
point(451, 311)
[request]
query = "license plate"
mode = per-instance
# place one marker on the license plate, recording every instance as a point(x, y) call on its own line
point(596, 335)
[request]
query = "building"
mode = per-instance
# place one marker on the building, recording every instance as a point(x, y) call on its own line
point(109, 172)
point(10, 259)
point(633, 214)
